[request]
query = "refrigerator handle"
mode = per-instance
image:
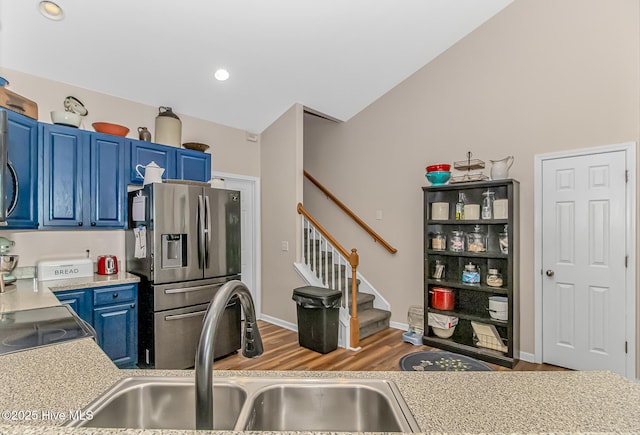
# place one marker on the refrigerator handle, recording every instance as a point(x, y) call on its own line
point(201, 232)
point(208, 231)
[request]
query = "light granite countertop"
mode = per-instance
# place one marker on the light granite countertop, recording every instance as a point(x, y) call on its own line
point(31, 293)
point(54, 380)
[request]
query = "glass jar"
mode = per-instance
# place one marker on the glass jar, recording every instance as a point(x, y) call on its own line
point(487, 204)
point(503, 240)
point(438, 270)
point(456, 241)
point(494, 278)
point(476, 240)
point(471, 274)
point(439, 242)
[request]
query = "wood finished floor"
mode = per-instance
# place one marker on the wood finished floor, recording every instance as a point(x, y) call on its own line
point(381, 351)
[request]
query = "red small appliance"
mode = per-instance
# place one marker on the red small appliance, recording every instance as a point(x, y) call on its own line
point(107, 265)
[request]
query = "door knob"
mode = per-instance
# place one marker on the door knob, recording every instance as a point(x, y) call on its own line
point(549, 272)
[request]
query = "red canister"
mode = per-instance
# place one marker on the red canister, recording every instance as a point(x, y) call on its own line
point(442, 298)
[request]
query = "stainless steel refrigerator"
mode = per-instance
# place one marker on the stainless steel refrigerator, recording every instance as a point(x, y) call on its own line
point(184, 243)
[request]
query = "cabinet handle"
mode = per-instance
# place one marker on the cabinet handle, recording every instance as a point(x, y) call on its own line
point(133, 305)
point(115, 295)
point(93, 224)
point(550, 273)
point(79, 224)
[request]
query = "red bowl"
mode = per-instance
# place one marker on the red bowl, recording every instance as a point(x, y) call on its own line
point(440, 167)
point(114, 129)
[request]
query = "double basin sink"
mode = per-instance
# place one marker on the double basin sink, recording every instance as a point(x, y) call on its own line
point(254, 404)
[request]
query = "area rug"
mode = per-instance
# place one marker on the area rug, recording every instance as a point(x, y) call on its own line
point(441, 362)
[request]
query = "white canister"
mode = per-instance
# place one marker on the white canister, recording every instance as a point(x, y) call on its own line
point(168, 127)
point(500, 210)
point(440, 211)
point(471, 212)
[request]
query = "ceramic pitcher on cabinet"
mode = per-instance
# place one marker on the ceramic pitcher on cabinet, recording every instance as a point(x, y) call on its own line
point(152, 173)
point(500, 168)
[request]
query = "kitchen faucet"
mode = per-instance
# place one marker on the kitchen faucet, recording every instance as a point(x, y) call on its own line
point(251, 345)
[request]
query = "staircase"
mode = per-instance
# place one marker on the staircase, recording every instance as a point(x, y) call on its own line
point(323, 265)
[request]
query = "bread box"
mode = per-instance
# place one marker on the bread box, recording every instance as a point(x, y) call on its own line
point(64, 269)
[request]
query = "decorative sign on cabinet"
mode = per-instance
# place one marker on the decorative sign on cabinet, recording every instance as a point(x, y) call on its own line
point(113, 312)
point(478, 260)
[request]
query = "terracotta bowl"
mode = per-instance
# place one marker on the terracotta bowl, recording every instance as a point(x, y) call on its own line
point(114, 129)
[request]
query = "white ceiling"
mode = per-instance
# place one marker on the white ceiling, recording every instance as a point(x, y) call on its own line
point(333, 56)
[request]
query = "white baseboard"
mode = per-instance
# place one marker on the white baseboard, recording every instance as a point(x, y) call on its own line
point(528, 357)
point(398, 325)
point(278, 322)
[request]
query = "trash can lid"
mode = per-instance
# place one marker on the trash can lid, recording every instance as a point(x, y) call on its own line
point(326, 296)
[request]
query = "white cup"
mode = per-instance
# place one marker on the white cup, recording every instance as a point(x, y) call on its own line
point(471, 212)
point(500, 210)
point(440, 211)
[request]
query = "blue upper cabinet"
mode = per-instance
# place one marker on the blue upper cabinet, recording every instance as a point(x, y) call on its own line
point(178, 163)
point(83, 178)
point(108, 185)
point(143, 153)
point(63, 174)
point(193, 165)
point(22, 177)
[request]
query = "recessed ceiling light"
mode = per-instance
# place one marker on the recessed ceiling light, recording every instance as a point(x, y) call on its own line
point(51, 10)
point(221, 74)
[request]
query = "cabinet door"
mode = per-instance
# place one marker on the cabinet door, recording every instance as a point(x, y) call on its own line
point(143, 153)
point(116, 326)
point(108, 189)
point(79, 301)
point(63, 173)
point(193, 165)
point(22, 177)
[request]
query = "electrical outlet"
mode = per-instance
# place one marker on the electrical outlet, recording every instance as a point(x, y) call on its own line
point(379, 215)
point(284, 245)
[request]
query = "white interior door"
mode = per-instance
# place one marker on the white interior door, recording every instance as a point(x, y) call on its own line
point(584, 245)
point(250, 227)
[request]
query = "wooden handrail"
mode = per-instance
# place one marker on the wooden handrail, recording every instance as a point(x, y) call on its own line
point(354, 261)
point(352, 215)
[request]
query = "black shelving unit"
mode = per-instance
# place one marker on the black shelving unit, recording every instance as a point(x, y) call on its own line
point(472, 300)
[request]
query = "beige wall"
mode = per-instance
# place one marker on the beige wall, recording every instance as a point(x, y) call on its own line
point(281, 190)
point(541, 76)
point(230, 150)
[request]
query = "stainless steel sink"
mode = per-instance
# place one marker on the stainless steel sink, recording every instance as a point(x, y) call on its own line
point(315, 406)
point(255, 404)
point(161, 403)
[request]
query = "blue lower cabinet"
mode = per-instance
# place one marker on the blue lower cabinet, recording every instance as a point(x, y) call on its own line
point(113, 313)
point(80, 301)
point(117, 330)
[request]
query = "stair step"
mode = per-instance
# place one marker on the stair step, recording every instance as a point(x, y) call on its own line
point(373, 320)
point(364, 301)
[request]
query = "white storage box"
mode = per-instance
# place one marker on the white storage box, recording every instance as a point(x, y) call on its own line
point(64, 269)
point(441, 321)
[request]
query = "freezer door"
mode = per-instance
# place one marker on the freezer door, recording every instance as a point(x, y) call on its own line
point(222, 240)
point(176, 216)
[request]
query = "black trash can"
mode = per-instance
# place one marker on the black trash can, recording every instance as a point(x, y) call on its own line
point(318, 316)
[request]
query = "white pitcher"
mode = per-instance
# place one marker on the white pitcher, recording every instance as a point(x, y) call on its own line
point(152, 173)
point(500, 168)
